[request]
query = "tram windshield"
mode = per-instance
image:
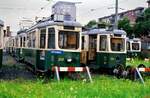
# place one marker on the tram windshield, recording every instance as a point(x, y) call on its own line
point(117, 44)
point(135, 46)
point(68, 40)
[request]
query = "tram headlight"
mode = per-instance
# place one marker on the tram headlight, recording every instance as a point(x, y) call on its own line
point(69, 60)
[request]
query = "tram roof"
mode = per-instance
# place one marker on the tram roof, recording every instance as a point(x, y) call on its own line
point(104, 31)
point(22, 31)
point(1, 23)
point(133, 39)
point(51, 23)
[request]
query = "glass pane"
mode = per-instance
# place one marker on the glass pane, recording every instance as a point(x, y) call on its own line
point(103, 43)
point(117, 44)
point(42, 38)
point(68, 40)
point(135, 46)
point(51, 38)
point(21, 42)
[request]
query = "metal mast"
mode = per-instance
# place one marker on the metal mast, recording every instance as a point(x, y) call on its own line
point(116, 15)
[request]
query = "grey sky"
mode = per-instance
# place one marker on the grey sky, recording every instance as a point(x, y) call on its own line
point(12, 11)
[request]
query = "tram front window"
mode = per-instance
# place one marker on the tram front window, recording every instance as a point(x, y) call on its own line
point(135, 46)
point(103, 43)
point(117, 44)
point(68, 40)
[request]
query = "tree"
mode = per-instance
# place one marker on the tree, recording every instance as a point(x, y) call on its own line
point(91, 24)
point(124, 24)
point(142, 26)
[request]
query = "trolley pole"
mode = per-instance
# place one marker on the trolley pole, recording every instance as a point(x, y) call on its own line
point(116, 15)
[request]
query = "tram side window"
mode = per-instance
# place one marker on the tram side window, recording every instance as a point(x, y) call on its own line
point(42, 38)
point(33, 39)
point(24, 39)
point(51, 38)
point(103, 43)
point(20, 41)
point(16, 42)
point(83, 42)
point(29, 40)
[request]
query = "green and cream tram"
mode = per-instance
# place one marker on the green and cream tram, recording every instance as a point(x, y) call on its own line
point(103, 49)
point(50, 43)
point(1, 41)
point(133, 47)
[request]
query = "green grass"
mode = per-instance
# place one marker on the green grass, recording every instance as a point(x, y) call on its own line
point(136, 62)
point(102, 87)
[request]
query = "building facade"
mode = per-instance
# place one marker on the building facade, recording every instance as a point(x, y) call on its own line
point(130, 14)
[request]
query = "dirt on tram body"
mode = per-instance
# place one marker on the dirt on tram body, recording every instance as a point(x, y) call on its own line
point(11, 70)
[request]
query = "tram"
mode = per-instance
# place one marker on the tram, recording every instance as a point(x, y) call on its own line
point(103, 49)
point(54, 41)
point(133, 47)
point(1, 41)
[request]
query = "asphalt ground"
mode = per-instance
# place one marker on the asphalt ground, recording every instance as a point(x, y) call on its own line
point(11, 69)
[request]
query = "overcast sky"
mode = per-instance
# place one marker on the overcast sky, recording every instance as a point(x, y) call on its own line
point(12, 11)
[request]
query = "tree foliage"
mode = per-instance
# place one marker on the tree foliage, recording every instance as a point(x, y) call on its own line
point(142, 26)
point(124, 24)
point(91, 24)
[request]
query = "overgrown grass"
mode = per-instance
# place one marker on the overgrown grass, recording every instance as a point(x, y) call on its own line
point(102, 87)
point(136, 62)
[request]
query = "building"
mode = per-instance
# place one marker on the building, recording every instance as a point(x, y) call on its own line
point(130, 14)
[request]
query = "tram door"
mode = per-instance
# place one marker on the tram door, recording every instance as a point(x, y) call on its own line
point(92, 48)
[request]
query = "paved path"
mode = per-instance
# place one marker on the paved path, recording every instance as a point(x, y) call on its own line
point(11, 69)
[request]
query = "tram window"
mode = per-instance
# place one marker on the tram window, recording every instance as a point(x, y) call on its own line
point(117, 44)
point(83, 42)
point(135, 46)
point(20, 41)
point(16, 42)
point(24, 39)
point(51, 38)
point(42, 38)
point(68, 40)
point(103, 43)
point(33, 39)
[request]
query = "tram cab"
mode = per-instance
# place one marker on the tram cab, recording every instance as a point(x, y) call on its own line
point(102, 48)
point(133, 47)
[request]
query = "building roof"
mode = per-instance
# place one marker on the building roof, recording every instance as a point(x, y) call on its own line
point(138, 8)
point(50, 23)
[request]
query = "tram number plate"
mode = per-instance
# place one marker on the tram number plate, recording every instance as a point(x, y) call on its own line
point(57, 52)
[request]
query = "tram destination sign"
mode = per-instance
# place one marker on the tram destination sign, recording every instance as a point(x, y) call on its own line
point(57, 52)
